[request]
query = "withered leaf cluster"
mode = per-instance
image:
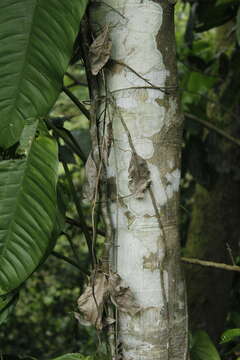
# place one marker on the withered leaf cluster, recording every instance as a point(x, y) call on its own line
point(100, 51)
point(89, 187)
point(138, 176)
point(104, 289)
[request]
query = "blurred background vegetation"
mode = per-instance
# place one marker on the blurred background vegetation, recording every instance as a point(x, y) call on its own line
point(42, 325)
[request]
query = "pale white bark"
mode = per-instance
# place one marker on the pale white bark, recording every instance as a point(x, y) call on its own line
point(146, 249)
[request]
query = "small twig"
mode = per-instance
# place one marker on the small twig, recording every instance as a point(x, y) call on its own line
point(77, 102)
point(79, 211)
point(76, 81)
point(211, 264)
point(214, 128)
point(71, 85)
point(68, 139)
point(78, 224)
point(80, 152)
point(73, 222)
point(74, 251)
point(153, 87)
point(69, 261)
point(111, 7)
point(85, 44)
point(162, 89)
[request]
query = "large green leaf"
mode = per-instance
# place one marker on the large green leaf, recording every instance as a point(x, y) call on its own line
point(36, 43)
point(203, 348)
point(230, 335)
point(27, 207)
point(7, 304)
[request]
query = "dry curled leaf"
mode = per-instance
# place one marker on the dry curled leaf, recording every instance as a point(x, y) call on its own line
point(138, 176)
point(98, 293)
point(89, 187)
point(109, 321)
point(122, 296)
point(91, 302)
point(100, 51)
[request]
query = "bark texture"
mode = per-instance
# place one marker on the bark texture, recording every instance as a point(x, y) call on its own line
point(142, 135)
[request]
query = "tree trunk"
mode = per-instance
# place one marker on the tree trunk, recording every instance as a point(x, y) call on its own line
point(142, 131)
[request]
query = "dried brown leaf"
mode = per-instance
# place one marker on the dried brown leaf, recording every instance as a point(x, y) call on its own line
point(100, 51)
point(121, 295)
point(109, 321)
point(138, 176)
point(81, 319)
point(89, 187)
point(102, 288)
point(91, 302)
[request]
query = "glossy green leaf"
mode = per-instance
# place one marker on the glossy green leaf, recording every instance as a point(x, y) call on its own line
point(7, 304)
point(203, 348)
point(36, 42)
point(58, 224)
point(27, 208)
point(229, 335)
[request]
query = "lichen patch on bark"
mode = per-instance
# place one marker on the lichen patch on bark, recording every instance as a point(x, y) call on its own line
point(151, 262)
point(173, 182)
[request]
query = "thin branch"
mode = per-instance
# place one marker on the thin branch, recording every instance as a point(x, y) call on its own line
point(153, 87)
point(73, 222)
point(211, 264)
point(78, 224)
point(92, 80)
point(69, 261)
point(76, 81)
point(164, 89)
point(93, 92)
point(214, 128)
point(111, 7)
point(77, 102)
point(79, 211)
point(76, 145)
point(74, 251)
point(68, 139)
